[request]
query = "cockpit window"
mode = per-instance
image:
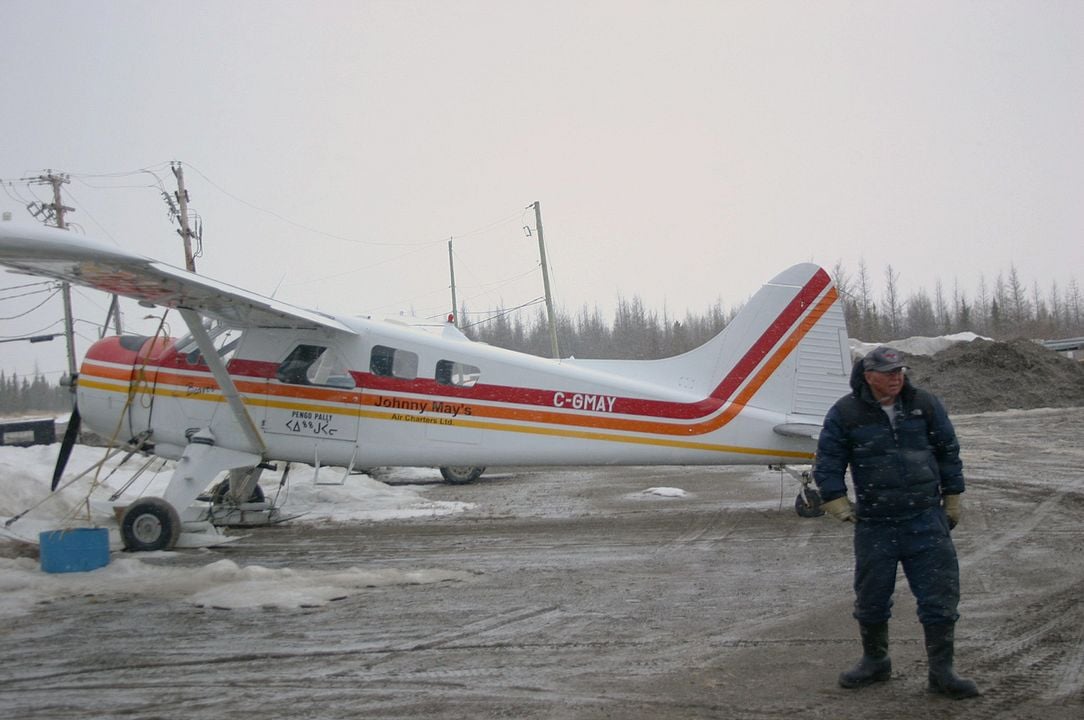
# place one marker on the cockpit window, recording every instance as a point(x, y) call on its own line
point(314, 365)
point(225, 339)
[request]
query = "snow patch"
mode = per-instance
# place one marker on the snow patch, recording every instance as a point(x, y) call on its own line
point(222, 584)
point(666, 492)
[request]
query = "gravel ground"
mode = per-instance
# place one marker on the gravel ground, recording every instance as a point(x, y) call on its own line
point(587, 598)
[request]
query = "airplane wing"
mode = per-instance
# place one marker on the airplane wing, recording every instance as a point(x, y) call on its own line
point(63, 255)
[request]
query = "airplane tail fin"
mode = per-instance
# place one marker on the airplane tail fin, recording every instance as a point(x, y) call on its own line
point(787, 350)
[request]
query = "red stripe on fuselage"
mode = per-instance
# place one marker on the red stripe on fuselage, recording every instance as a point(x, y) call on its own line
point(110, 350)
point(775, 332)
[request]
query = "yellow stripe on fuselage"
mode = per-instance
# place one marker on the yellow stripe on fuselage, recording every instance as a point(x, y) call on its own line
point(156, 390)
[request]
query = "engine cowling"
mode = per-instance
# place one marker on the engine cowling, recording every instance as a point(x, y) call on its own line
point(114, 373)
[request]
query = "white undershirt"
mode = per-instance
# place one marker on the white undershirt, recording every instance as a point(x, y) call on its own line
point(890, 411)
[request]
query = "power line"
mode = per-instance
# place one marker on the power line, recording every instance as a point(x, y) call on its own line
point(9, 188)
point(288, 221)
point(352, 271)
point(36, 332)
point(32, 292)
point(83, 177)
point(93, 219)
point(334, 236)
point(24, 314)
point(509, 311)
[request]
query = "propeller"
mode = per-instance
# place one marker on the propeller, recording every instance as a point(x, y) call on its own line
point(70, 436)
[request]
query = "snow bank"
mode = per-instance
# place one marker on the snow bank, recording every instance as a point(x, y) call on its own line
point(25, 475)
point(918, 345)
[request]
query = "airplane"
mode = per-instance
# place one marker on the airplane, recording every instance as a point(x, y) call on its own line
point(257, 381)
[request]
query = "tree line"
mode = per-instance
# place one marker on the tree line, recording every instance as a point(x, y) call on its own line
point(634, 333)
point(19, 396)
point(1002, 308)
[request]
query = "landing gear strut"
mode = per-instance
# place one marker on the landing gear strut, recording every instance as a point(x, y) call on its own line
point(808, 503)
point(152, 523)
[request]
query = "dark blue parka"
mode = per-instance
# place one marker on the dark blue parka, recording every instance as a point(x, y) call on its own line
point(897, 473)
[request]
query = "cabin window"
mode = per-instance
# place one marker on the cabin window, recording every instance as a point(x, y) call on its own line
point(391, 362)
point(450, 372)
point(314, 365)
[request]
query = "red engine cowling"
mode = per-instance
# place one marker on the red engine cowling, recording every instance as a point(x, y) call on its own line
point(113, 382)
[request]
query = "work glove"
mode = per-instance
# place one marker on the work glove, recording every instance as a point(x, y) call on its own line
point(954, 507)
point(840, 508)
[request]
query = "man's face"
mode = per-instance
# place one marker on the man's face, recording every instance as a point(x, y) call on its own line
point(885, 385)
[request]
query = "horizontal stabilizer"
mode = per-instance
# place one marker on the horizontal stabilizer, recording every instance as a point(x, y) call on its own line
point(798, 430)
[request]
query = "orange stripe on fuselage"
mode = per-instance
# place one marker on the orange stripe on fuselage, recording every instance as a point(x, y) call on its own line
point(264, 393)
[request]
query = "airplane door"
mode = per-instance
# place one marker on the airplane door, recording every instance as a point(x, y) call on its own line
point(312, 406)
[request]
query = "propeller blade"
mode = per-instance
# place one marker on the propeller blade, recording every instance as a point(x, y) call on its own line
point(70, 436)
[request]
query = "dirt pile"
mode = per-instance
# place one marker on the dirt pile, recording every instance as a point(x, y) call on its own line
point(983, 375)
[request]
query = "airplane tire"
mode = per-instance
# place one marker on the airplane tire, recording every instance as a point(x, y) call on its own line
point(150, 524)
point(461, 474)
point(809, 505)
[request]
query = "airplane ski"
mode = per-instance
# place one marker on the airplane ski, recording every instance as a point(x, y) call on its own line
point(266, 381)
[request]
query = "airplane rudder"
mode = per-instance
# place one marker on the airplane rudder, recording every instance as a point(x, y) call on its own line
point(760, 339)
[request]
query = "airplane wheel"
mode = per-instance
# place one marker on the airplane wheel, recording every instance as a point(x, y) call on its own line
point(809, 504)
point(222, 491)
point(150, 524)
point(461, 474)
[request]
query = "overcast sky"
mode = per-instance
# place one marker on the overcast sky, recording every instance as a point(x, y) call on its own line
point(683, 152)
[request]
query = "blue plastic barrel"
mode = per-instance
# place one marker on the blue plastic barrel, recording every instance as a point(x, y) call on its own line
point(74, 550)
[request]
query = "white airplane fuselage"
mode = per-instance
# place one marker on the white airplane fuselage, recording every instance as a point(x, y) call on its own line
point(388, 394)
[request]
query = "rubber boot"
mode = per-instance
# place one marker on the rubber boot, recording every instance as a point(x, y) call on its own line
point(940, 642)
point(875, 665)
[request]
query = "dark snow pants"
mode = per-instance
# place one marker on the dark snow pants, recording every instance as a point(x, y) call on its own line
point(924, 547)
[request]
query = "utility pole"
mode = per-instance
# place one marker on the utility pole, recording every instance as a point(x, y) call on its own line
point(182, 203)
point(454, 317)
point(59, 208)
point(546, 279)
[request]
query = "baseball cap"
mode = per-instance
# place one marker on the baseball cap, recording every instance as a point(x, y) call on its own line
point(883, 359)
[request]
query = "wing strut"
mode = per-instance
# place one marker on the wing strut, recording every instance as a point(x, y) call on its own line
point(225, 382)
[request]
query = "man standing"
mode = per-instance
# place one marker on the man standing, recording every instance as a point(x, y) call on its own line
point(907, 476)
